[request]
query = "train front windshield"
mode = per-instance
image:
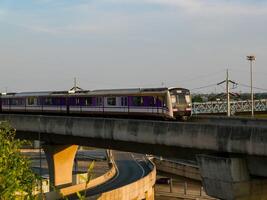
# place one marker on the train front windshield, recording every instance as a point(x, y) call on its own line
point(180, 97)
point(181, 102)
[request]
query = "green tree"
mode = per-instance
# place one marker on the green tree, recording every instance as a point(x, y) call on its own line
point(197, 98)
point(88, 178)
point(17, 181)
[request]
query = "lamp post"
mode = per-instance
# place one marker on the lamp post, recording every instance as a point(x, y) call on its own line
point(251, 58)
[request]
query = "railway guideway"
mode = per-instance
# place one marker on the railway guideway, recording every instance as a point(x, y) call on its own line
point(140, 189)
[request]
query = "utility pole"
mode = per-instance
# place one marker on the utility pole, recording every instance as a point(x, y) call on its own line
point(227, 80)
point(228, 95)
point(251, 58)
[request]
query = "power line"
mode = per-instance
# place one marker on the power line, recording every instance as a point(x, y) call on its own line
point(247, 71)
point(247, 86)
point(203, 87)
point(202, 76)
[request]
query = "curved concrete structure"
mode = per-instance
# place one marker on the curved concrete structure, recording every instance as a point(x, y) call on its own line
point(141, 189)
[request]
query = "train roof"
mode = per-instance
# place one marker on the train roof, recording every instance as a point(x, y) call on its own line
point(95, 92)
point(42, 93)
point(127, 91)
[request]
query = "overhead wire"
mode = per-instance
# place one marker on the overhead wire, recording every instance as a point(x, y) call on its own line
point(247, 71)
point(202, 76)
point(248, 86)
point(203, 87)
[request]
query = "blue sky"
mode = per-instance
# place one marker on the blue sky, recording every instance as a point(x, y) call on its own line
point(134, 43)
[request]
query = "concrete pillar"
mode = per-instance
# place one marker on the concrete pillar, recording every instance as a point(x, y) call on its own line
point(257, 165)
point(60, 160)
point(222, 177)
point(149, 195)
point(229, 178)
point(171, 186)
point(185, 188)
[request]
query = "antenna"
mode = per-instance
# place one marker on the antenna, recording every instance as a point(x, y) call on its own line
point(75, 88)
point(75, 82)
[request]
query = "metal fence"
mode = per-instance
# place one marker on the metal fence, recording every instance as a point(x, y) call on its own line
point(221, 107)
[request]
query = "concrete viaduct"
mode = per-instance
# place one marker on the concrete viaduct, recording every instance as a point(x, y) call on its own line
point(231, 154)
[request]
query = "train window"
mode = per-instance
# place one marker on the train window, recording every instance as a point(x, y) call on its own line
point(138, 101)
point(99, 101)
point(31, 101)
point(124, 101)
point(152, 101)
point(173, 99)
point(161, 101)
point(39, 101)
point(5, 102)
point(63, 101)
point(111, 101)
point(14, 102)
point(77, 101)
point(88, 101)
point(181, 99)
point(56, 101)
point(187, 98)
point(48, 101)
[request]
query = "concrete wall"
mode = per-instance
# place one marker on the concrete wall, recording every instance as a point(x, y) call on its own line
point(76, 180)
point(141, 189)
point(180, 169)
point(251, 140)
point(233, 121)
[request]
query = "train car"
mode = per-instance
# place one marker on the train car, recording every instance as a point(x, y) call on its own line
point(165, 103)
point(133, 102)
point(34, 102)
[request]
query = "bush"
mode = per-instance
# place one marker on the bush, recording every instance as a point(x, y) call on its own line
point(17, 181)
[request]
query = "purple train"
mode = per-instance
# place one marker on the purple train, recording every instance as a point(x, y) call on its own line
point(170, 103)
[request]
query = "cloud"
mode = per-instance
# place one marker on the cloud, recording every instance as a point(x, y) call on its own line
point(236, 7)
point(70, 29)
point(3, 14)
point(215, 6)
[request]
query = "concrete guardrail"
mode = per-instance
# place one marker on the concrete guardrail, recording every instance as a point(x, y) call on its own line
point(141, 189)
point(180, 169)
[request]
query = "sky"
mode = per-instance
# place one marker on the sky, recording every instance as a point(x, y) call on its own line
point(44, 44)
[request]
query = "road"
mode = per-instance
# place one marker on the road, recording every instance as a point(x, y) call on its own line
point(130, 167)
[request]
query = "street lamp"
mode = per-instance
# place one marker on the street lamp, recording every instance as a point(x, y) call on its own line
point(251, 58)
